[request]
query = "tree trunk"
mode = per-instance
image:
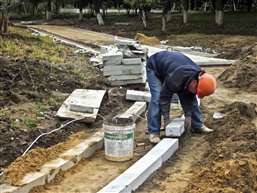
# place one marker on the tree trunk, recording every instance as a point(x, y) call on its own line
point(33, 9)
point(5, 24)
point(168, 15)
point(186, 6)
point(104, 8)
point(249, 4)
point(143, 17)
point(185, 16)
point(56, 7)
point(219, 17)
point(164, 17)
point(219, 13)
point(80, 11)
point(1, 25)
point(91, 9)
point(20, 9)
point(80, 15)
point(48, 12)
point(99, 19)
point(24, 7)
point(163, 23)
point(97, 12)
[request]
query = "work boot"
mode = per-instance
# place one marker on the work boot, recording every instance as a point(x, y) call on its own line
point(204, 129)
point(154, 138)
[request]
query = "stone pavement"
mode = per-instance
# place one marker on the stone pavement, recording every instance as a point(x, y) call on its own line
point(90, 38)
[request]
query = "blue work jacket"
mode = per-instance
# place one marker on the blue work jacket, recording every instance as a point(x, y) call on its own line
point(175, 71)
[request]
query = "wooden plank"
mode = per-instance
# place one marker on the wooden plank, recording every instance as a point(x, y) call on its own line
point(89, 100)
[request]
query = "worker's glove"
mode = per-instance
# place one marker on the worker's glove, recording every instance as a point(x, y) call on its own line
point(187, 123)
point(166, 122)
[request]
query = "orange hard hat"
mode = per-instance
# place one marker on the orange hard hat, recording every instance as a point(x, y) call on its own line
point(206, 85)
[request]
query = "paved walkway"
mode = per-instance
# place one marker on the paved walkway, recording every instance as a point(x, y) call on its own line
point(91, 38)
point(76, 34)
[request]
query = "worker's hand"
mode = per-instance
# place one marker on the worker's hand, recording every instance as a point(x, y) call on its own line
point(187, 123)
point(166, 122)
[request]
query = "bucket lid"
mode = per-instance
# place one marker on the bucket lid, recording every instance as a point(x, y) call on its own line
point(119, 121)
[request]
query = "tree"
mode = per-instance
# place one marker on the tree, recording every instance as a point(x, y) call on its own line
point(97, 4)
point(219, 12)
point(48, 10)
point(4, 18)
point(35, 4)
point(185, 10)
point(80, 10)
point(144, 7)
point(249, 4)
point(166, 12)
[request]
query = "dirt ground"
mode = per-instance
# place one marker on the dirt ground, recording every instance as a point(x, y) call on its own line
point(224, 161)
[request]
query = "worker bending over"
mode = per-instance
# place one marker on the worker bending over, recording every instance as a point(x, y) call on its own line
point(173, 72)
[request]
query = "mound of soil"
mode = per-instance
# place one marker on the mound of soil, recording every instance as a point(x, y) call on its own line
point(243, 73)
point(230, 165)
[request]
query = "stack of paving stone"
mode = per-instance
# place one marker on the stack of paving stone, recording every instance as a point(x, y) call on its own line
point(125, 65)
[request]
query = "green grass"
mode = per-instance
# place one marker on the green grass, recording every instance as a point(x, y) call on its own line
point(19, 43)
point(240, 19)
point(234, 23)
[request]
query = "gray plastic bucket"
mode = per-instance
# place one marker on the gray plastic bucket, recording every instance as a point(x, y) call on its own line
point(119, 139)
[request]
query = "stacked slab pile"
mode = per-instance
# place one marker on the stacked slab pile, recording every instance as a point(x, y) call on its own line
point(125, 65)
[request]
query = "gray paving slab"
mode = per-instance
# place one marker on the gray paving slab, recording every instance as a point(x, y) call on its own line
point(131, 61)
point(82, 97)
point(81, 105)
point(122, 70)
point(125, 77)
point(118, 80)
point(139, 82)
point(113, 62)
point(197, 58)
point(112, 56)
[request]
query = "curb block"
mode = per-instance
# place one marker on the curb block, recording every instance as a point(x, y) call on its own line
point(135, 176)
point(134, 111)
point(175, 128)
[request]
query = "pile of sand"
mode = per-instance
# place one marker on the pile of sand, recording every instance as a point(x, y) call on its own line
point(151, 41)
point(35, 158)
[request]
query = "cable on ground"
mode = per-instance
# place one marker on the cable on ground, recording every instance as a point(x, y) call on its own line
point(50, 133)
